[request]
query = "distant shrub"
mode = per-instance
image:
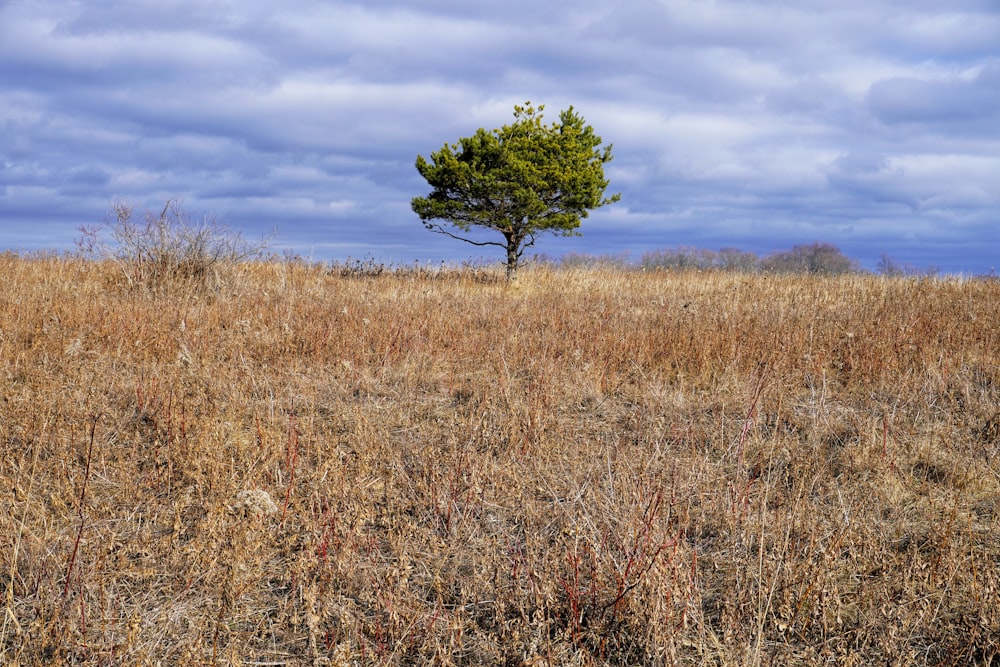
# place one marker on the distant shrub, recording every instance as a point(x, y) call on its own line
point(170, 247)
point(817, 258)
point(588, 261)
point(682, 259)
point(734, 259)
point(673, 259)
point(887, 266)
point(369, 267)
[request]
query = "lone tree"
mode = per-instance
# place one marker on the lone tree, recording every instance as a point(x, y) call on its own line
point(522, 180)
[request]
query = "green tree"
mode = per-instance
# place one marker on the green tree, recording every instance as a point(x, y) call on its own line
point(522, 180)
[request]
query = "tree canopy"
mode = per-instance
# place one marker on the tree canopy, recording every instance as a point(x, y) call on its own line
point(817, 258)
point(522, 180)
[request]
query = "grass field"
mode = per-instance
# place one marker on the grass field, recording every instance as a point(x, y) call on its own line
point(592, 466)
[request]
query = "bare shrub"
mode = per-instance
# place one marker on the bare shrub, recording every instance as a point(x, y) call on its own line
point(888, 266)
point(170, 247)
point(697, 259)
point(817, 259)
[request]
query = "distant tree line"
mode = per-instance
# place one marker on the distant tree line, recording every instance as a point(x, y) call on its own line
point(157, 248)
point(814, 258)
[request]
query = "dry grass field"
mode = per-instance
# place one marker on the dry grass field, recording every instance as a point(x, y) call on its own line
point(296, 466)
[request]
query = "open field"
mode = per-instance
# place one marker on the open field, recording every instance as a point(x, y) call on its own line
point(589, 467)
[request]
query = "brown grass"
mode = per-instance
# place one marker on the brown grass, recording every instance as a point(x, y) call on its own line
point(587, 468)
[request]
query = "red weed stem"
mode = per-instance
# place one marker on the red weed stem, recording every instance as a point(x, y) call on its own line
point(83, 494)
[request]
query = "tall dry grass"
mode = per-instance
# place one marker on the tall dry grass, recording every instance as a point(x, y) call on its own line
point(590, 467)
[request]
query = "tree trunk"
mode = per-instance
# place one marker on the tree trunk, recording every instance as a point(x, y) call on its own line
point(511, 263)
point(512, 258)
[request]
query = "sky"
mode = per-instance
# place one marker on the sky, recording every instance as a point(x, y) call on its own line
point(873, 125)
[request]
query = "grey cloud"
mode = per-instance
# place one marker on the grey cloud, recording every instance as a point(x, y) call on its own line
point(809, 97)
point(874, 180)
point(939, 101)
point(958, 31)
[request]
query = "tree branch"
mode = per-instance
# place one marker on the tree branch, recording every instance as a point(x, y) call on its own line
point(526, 244)
point(441, 230)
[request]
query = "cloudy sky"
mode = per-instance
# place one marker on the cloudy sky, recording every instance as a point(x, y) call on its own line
point(757, 124)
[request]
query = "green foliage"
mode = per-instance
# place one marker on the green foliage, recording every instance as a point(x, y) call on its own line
point(522, 180)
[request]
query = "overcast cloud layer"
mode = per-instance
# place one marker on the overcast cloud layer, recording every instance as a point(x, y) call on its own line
point(759, 124)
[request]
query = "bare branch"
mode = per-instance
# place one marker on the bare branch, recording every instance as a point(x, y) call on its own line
point(440, 230)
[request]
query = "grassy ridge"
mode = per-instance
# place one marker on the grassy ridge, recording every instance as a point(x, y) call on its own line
point(590, 467)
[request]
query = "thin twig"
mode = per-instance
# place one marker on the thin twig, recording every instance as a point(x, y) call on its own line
point(83, 494)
